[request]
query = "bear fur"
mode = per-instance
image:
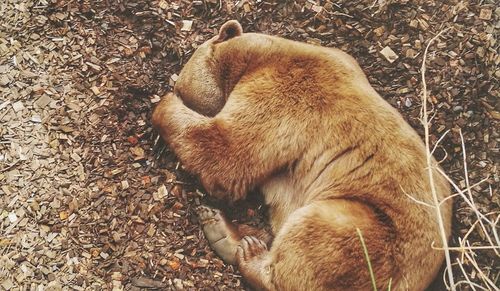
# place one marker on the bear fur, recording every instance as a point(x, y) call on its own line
point(302, 124)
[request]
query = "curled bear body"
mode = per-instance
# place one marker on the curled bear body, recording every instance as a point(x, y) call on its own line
point(302, 124)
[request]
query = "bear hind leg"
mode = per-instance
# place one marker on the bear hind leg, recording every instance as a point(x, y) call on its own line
point(318, 248)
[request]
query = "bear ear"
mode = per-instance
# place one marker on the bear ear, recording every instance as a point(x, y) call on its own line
point(228, 30)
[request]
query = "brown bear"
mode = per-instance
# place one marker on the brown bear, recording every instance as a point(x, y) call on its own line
point(302, 124)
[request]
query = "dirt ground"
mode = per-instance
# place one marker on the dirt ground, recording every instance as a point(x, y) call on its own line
point(87, 201)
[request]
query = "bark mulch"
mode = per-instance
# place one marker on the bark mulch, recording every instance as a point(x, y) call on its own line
point(87, 201)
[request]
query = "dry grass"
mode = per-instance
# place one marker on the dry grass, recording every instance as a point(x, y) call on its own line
point(487, 222)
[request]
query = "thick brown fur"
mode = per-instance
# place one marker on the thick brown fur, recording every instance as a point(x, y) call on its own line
point(302, 124)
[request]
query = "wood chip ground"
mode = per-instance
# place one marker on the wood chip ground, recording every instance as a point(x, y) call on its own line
point(85, 204)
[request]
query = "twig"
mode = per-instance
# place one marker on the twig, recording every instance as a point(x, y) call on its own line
point(367, 257)
point(471, 284)
point(439, 140)
point(483, 277)
point(461, 193)
point(461, 249)
point(469, 192)
point(418, 201)
point(478, 213)
point(465, 275)
point(425, 121)
point(9, 166)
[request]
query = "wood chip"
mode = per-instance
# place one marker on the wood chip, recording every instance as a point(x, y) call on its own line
point(186, 25)
point(7, 284)
point(485, 14)
point(173, 79)
point(317, 8)
point(155, 99)
point(63, 215)
point(124, 184)
point(161, 193)
point(12, 217)
point(18, 106)
point(4, 80)
point(36, 118)
point(84, 211)
point(247, 7)
point(43, 101)
point(76, 157)
point(389, 54)
point(379, 31)
point(95, 90)
point(144, 282)
point(4, 104)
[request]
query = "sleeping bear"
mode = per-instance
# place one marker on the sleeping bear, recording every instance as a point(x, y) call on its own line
point(334, 161)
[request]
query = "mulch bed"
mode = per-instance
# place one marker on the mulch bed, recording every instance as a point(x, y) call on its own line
point(119, 205)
